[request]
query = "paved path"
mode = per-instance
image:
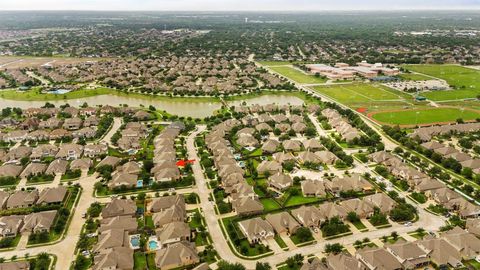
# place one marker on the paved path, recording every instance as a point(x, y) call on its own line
point(317, 125)
point(426, 221)
point(117, 122)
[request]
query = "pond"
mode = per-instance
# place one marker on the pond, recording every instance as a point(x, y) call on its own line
point(180, 107)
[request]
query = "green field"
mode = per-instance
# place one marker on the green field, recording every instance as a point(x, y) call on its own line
point(451, 94)
point(425, 116)
point(297, 75)
point(358, 93)
point(414, 77)
point(465, 80)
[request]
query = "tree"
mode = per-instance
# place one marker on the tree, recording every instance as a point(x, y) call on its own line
point(352, 217)
point(223, 265)
point(262, 266)
point(333, 248)
point(304, 234)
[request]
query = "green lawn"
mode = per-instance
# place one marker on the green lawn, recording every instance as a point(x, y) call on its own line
point(269, 204)
point(465, 80)
point(356, 93)
point(418, 197)
point(297, 241)
point(297, 75)
point(280, 241)
point(424, 116)
point(299, 200)
point(139, 261)
point(359, 225)
point(414, 77)
point(451, 94)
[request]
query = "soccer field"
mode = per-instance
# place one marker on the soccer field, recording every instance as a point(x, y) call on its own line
point(465, 80)
point(414, 77)
point(355, 93)
point(297, 75)
point(425, 116)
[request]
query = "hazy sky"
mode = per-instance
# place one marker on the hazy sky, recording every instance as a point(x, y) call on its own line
point(235, 5)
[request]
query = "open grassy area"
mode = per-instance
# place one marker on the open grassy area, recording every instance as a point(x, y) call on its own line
point(361, 93)
point(414, 77)
point(269, 204)
point(297, 75)
point(465, 80)
point(425, 116)
point(299, 200)
point(451, 94)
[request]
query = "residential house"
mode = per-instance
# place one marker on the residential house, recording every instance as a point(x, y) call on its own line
point(114, 258)
point(176, 255)
point(313, 188)
point(119, 207)
point(308, 216)
point(39, 221)
point(57, 167)
point(22, 199)
point(410, 254)
point(10, 225)
point(244, 206)
point(283, 223)
point(50, 196)
point(256, 229)
point(173, 232)
point(95, 150)
point(378, 258)
point(280, 181)
point(70, 151)
point(72, 123)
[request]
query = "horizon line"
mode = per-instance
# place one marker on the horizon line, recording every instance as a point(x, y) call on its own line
point(251, 11)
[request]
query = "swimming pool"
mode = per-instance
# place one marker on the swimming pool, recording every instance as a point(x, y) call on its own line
point(135, 241)
point(153, 243)
point(59, 91)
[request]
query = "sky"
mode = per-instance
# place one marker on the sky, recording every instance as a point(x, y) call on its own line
point(237, 5)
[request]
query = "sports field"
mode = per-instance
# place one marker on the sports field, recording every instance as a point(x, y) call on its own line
point(424, 116)
point(297, 75)
point(414, 77)
point(465, 80)
point(358, 93)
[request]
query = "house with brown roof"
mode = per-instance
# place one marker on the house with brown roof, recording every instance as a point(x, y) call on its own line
point(95, 150)
point(271, 167)
point(409, 254)
point(176, 255)
point(330, 210)
point(109, 161)
point(20, 265)
point(326, 157)
point(354, 182)
point(120, 179)
point(10, 225)
point(464, 242)
point(361, 208)
point(283, 223)
point(314, 188)
point(50, 123)
point(312, 144)
point(91, 121)
point(39, 221)
point(16, 154)
point(33, 169)
point(245, 206)
point(308, 216)
point(169, 215)
point(57, 167)
point(114, 258)
point(173, 232)
point(10, 170)
point(441, 252)
point(343, 261)
point(378, 258)
point(119, 207)
point(70, 151)
point(72, 123)
point(3, 198)
point(60, 133)
point(270, 146)
point(127, 223)
point(280, 181)
point(256, 229)
point(81, 164)
point(292, 145)
point(50, 196)
point(43, 150)
point(22, 199)
point(111, 239)
point(86, 133)
point(473, 226)
point(381, 201)
point(162, 203)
